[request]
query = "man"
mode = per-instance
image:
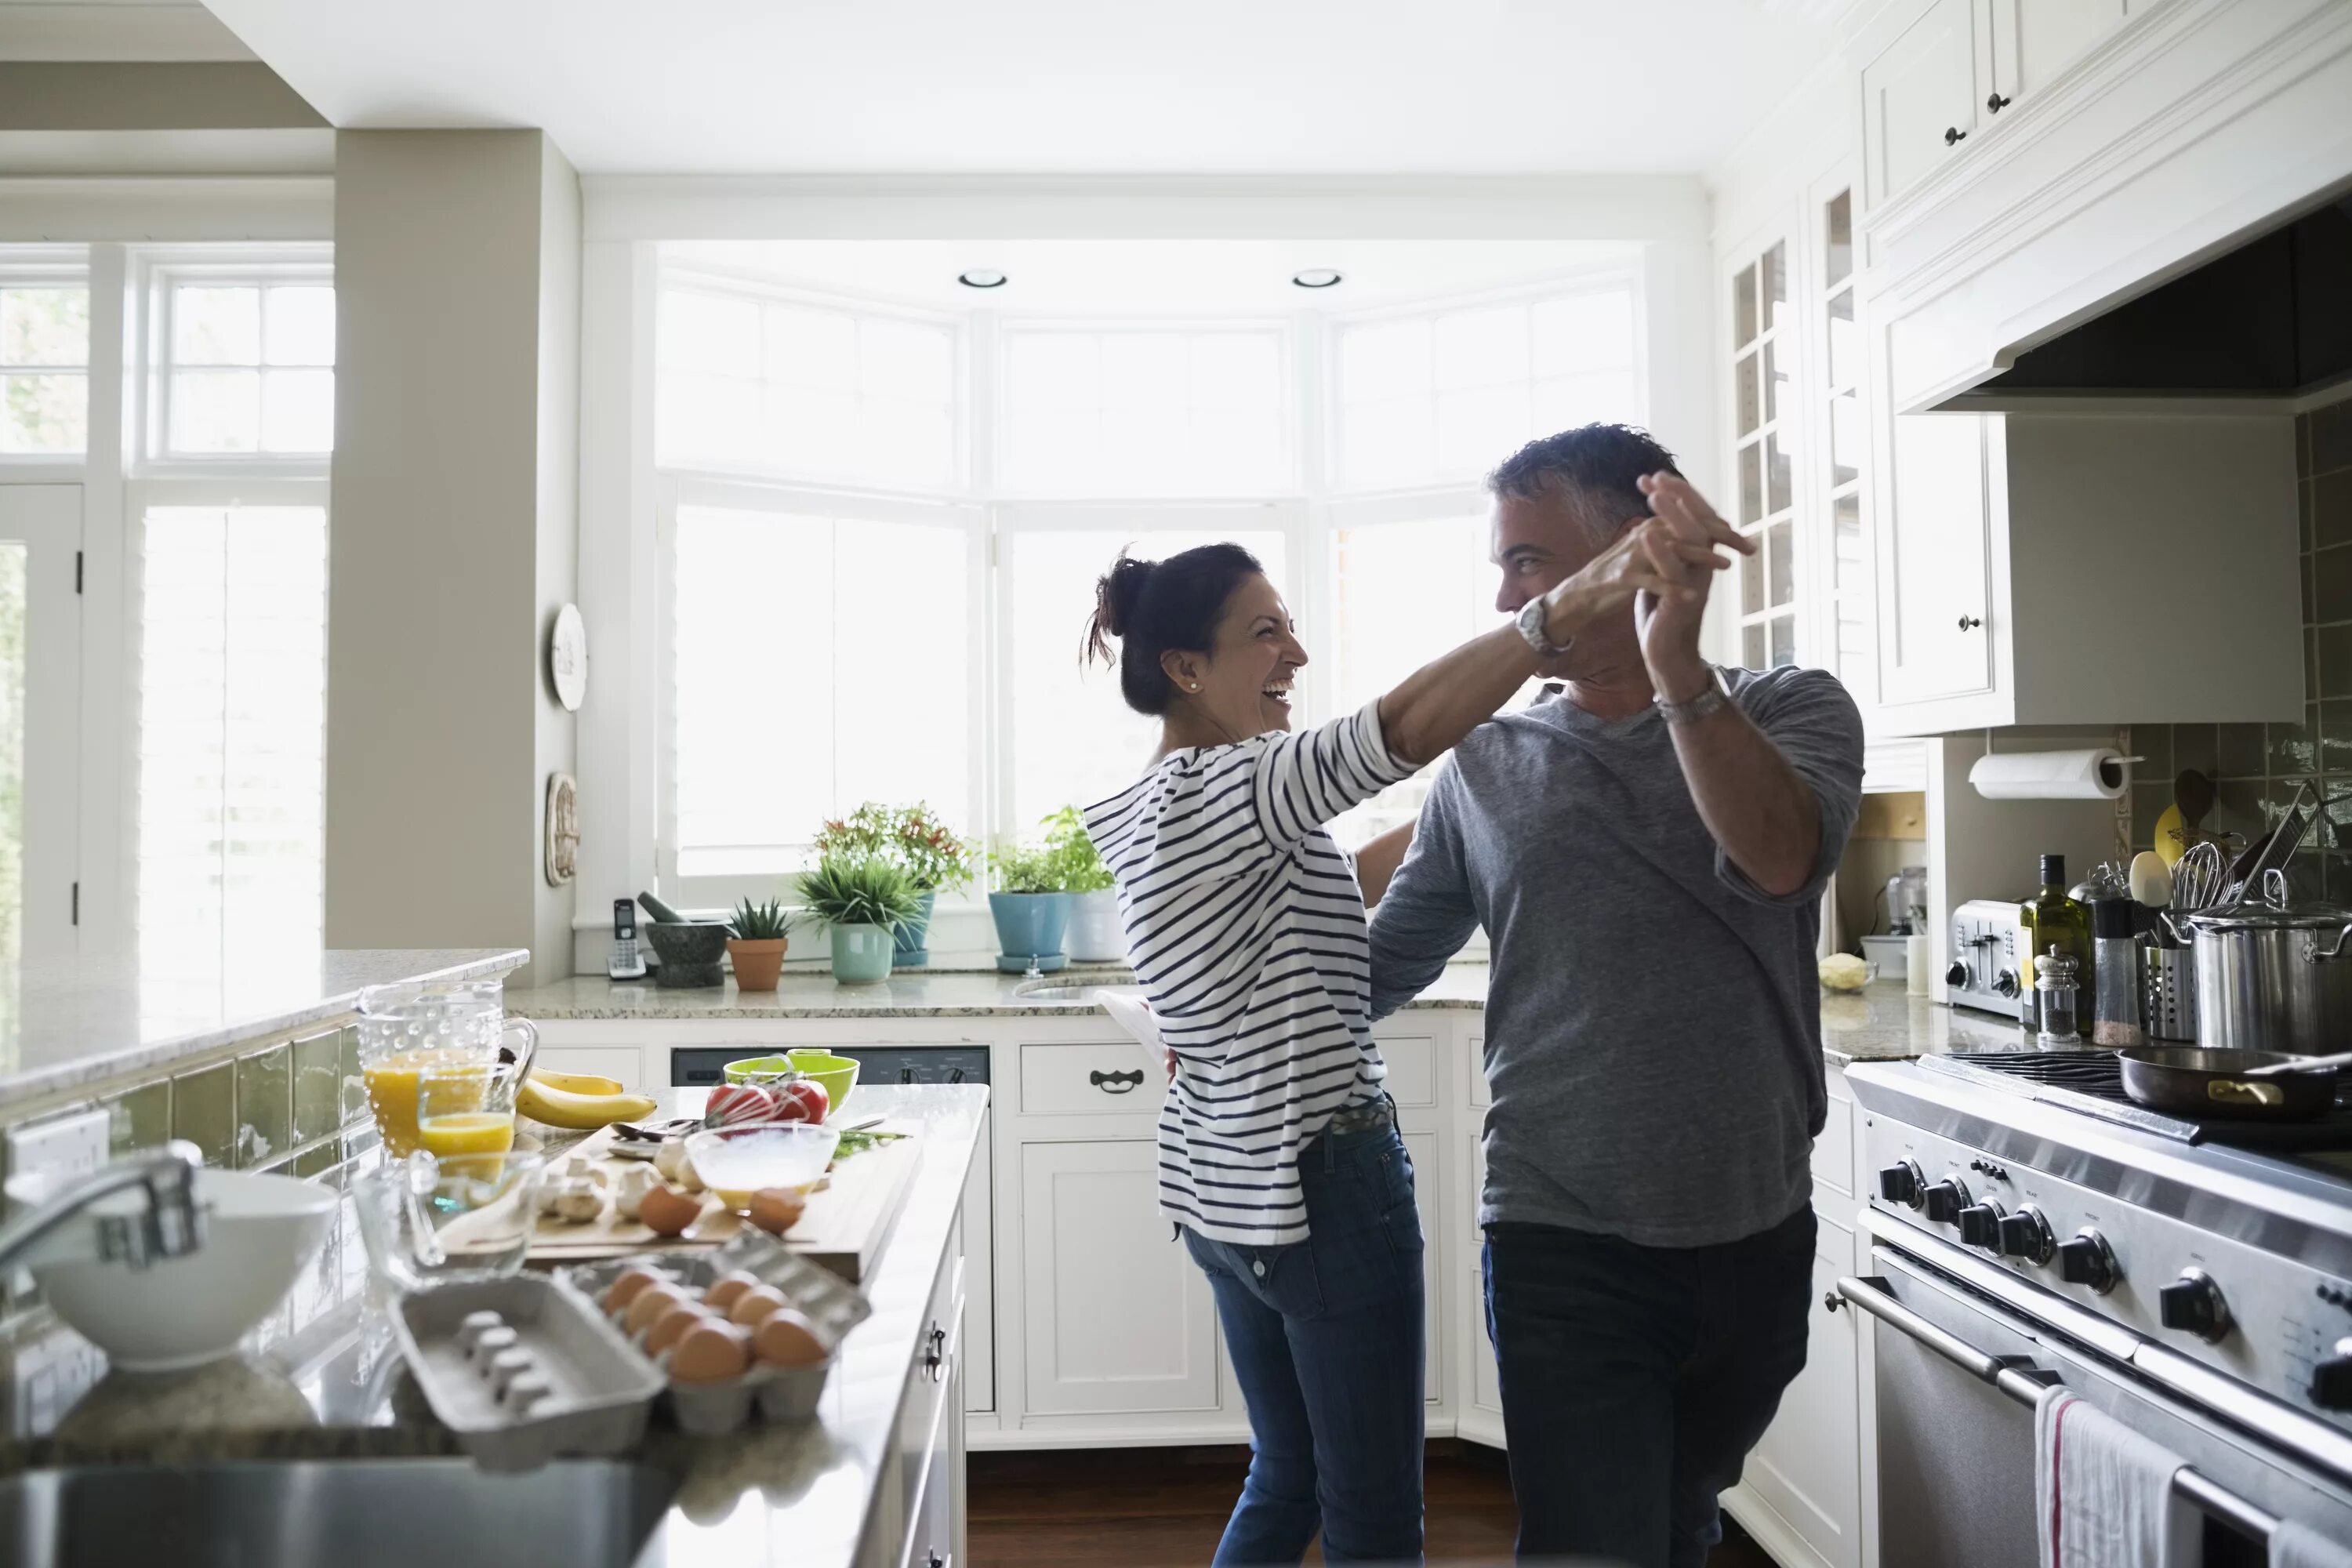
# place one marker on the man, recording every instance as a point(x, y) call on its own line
point(1645, 852)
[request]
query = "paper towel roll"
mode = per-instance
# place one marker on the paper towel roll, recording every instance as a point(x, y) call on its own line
point(2098, 775)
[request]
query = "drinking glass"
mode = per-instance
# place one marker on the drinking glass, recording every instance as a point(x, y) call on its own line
point(426, 1223)
point(466, 1109)
point(406, 1031)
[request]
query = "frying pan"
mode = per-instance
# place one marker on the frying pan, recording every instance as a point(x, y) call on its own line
point(2247, 1085)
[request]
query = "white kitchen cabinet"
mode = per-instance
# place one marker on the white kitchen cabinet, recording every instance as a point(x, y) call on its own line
point(2031, 41)
point(1921, 98)
point(2011, 544)
point(624, 1063)
point(978, 1370)
point(1807, 1470)
point(1117, 1318)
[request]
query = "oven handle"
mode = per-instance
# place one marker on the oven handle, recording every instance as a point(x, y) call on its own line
point(2026, 1383)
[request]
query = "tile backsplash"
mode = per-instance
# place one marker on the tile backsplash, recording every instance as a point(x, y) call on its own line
point(2255, 767)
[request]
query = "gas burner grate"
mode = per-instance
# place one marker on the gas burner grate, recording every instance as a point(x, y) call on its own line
point(2091, 1082)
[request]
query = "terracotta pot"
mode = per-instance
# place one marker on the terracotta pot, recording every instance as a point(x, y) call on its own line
point(758, 965)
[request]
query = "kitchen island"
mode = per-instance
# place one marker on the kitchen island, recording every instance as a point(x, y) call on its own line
point(875, 1478)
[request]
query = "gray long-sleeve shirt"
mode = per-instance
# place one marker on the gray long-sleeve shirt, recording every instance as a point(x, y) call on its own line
point(1653, 1017)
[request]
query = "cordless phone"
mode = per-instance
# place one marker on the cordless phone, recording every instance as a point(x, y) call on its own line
point(626, 962)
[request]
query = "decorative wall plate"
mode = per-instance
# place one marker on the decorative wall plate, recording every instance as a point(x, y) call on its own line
point(567, 657)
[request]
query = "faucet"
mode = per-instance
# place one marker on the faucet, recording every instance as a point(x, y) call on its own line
point(170, 1224)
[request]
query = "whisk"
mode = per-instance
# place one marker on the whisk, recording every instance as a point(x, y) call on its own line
point(2199, 879)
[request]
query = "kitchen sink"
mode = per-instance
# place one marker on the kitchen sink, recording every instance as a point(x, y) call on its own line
point(352, 1513)
point(1061, 993)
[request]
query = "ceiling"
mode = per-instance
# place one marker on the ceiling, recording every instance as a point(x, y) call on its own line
point(1149, 277)
point(1058, 86)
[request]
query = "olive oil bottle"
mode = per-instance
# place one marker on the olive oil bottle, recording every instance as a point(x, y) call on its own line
point(2050, 918)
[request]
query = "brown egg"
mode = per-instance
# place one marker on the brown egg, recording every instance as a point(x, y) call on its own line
point(726, 1287)
point(624, 1290)
point(776, 1209)
point(652, 1302)
point(667, 1211)
point(709, 1352)
point(673, 1323)
point(753, 1306)
point(787, 1338)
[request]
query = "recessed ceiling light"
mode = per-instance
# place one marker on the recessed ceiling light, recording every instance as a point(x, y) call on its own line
point(980, 277)
point(1315, 278)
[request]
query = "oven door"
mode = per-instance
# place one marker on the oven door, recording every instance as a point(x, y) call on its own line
point(1956, 1442)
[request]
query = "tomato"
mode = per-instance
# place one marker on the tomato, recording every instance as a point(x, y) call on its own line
point(732, 1102)
point(809, 1097)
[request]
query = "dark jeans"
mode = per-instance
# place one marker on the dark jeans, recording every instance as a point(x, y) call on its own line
point(1326, 1342)
point(1635, 1379)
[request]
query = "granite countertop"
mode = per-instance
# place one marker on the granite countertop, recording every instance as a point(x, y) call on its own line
point(766, 1495)
point(79, 1020)
point(1882, 1024)
point(909, 993)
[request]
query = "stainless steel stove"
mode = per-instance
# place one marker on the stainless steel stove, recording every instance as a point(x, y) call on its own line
point(2031, 1227)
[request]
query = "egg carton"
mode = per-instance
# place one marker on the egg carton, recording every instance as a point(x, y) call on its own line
point(524, 1369)
point(779, 1394)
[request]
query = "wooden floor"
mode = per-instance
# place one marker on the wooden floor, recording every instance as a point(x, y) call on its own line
point(1164, 1508)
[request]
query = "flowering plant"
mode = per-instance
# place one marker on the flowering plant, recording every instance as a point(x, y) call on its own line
point(911, 837)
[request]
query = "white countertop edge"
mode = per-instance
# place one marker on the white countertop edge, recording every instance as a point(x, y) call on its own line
point(442, 965)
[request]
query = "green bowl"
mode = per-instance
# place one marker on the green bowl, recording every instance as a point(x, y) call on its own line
point(837, 1075)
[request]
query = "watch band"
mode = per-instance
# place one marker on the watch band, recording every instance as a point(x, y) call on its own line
point(1532, 615)
point(1707, 701)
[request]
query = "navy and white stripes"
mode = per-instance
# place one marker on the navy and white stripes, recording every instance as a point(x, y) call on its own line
point(1247, 932)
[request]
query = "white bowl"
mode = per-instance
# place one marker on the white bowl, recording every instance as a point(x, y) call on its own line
point(736, 1162)
point(185, 1311)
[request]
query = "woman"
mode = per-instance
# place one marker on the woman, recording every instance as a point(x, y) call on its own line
point(1280, 1158)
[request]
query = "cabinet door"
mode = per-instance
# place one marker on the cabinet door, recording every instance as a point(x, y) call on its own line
point(2033, 40)
point(1935, 560)
point(1808, 1467)
point(1919, 99)
point(1422, 1147)
point(979, 1361)
point(627, 1064)
point(1118, 1320)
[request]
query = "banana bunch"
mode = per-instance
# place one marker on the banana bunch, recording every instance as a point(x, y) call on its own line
point(579, 1100)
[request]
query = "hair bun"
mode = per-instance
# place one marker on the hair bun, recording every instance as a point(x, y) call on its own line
point(1119, 593)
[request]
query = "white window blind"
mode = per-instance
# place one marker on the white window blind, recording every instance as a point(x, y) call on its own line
point(232, 718)
point(1429, 398)
point(1131, 412)
point(249, 368)
point(44, 367)
point(749, 381)
point(1075, 740)
point(816, 662)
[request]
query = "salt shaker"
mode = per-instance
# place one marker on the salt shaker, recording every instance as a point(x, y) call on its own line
point(2057, 981)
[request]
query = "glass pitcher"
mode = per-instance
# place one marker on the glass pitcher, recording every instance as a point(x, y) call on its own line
point(405, 1030)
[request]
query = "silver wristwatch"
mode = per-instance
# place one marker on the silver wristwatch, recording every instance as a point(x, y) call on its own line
point(1531, 627)
point(1712, 698)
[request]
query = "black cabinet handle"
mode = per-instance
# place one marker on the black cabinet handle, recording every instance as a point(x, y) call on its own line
point(1117, 1082)
point(1996, 104)
point(1953, 133)
point(1969, 623)
point(935, 1350)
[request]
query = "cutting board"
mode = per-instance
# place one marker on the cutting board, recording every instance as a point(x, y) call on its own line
point(844, 1227)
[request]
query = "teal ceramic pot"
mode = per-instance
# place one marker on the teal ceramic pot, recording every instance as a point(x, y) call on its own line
point(861, 954)
point(908, 947)
point(1030, 925)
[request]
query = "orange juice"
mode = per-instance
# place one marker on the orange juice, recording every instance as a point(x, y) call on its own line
point(476, 1134)
point(392, 1085)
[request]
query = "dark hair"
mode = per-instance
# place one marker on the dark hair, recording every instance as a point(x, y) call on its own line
point(1597, 465)
point(1152, 606)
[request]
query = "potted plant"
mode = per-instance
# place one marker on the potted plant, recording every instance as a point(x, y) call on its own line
point(913, 838)
point(1095, 936)
point(1029, 907)
point(863, 900)
point(756, 942)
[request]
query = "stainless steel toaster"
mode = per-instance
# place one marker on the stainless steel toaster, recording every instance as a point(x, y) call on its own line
point(1985, 972)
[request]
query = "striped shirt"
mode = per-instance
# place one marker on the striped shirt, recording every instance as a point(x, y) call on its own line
point(1248, 933)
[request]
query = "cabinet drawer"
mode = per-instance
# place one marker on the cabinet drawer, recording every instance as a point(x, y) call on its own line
point(1412, 1069)
point(626, 1063)
point(1105, 1079)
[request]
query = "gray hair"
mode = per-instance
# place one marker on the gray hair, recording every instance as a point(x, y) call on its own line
point(1596, 466)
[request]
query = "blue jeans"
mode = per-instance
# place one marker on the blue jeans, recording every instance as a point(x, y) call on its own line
point(1326, 1341)
point(1635, 1379)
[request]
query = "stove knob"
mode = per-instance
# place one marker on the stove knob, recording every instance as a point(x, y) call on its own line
point(1900, 1184)
point(1945, 1200)
point(2193, 1303)
point(2026, 1234)
point(1980, 1225)
point(2006, 983)
point(2331, 1380)
point(1958, 975)
point(2086, 1259)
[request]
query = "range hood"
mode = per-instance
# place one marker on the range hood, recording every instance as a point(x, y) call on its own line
point(2272, 317)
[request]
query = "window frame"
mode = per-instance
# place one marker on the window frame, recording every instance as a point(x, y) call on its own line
point(891, 618)
point(55, 266)
point(156, 271)
point(1791, 422)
